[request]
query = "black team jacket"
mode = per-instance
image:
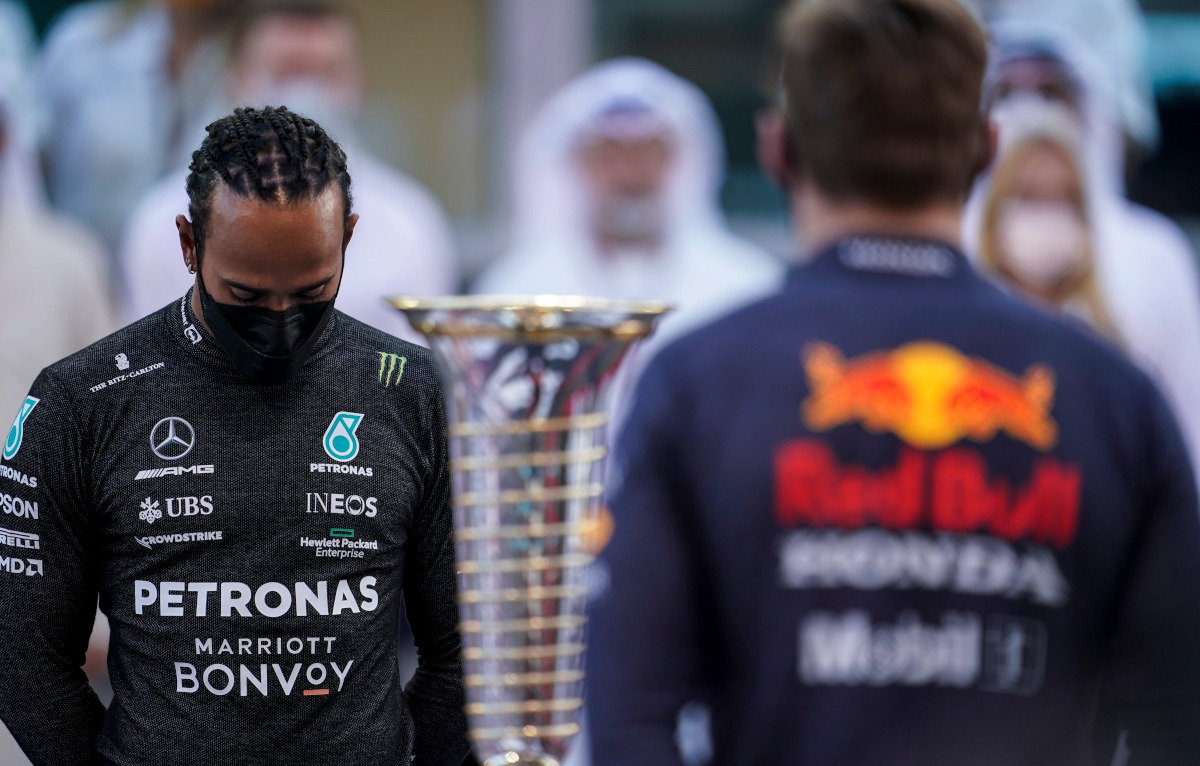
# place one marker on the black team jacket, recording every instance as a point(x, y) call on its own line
point(250, 545)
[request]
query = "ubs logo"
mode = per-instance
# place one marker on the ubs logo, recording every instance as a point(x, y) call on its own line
point(172, 438)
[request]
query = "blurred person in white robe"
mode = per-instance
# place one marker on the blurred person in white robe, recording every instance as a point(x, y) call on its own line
point(1037, 225)
point(1145, 269)
point(54, 294)
point(616, 184)
point(305, 55)
point(127, 87)
point(53, 290)
point(1114, 32)
point(21, 181)
point(616, 196)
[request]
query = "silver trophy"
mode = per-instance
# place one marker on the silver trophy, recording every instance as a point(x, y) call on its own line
point(526, 382)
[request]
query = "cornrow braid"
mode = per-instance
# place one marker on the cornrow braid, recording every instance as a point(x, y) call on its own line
point(270, 154)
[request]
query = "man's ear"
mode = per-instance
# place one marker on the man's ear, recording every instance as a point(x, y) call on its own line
point(775, 154)
point(187, 243)
point(350, 224)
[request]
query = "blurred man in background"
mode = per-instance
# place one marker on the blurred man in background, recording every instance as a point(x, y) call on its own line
point(616, 196)
point(1114, 31)
point(54, 297)
point(128, 87)
point(892, 515)
point(1144, 266)
point(22, 181)
point(305, 55)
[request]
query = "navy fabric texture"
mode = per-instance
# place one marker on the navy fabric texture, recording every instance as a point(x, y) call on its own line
point(893, 516)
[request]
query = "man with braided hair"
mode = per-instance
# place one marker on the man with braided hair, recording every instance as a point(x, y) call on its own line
point(306, 54)
point(249, 480)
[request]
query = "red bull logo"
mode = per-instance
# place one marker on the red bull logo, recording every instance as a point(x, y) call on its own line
point(929, 395)
point(952, 491)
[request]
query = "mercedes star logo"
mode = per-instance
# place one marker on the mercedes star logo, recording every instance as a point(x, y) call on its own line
point(172, 438)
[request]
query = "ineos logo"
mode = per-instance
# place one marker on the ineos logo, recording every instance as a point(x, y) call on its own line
point(172, 438)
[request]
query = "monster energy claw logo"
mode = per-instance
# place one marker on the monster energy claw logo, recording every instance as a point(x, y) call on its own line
point(340, 440)
point(389, 365)
point(12, 444)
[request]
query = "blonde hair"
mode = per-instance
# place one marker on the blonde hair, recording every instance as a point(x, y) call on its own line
point(1083, 287)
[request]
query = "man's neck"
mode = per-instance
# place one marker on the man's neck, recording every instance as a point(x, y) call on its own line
point(822, 222)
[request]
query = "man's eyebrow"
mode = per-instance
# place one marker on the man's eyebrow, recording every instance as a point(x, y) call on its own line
point(247, 288)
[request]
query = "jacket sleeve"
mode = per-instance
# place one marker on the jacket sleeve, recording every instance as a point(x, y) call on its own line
point(48, 583)
point(644, 655)
point(1153, 673)
point(435, 693)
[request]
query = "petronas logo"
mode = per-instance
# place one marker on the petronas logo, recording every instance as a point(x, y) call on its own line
point(16, 434)
point(340, 440)
point(391, 368)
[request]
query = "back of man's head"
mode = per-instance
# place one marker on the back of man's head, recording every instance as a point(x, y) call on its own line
point(883, 99)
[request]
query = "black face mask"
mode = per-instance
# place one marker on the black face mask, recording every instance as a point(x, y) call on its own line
point(267, 347)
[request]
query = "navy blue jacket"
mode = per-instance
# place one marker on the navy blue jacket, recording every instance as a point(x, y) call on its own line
point(893, 516)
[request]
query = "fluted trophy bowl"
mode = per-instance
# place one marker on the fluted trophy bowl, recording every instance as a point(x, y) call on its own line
point(526, 382)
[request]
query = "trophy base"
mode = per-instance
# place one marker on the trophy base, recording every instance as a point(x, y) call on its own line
point(513, 758)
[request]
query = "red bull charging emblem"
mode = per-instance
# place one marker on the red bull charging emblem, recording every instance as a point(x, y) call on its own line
point(928, 394)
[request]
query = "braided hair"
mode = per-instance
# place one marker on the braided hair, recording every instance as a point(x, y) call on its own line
point(270, 154)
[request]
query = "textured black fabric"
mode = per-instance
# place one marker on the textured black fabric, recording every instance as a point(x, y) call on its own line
point(257, 647)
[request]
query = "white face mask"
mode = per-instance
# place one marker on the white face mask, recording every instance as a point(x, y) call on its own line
point(1043, 243)
point(631, 219)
